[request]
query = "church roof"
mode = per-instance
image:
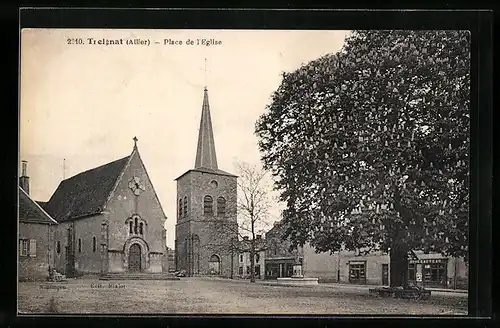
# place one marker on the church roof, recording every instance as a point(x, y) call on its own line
point(85, 193)
point(205, 170)
point(31, 212)
point(206, 158)
point(42, 204)
point(246, 245)
point(205, 152)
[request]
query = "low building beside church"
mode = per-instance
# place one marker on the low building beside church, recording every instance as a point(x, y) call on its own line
point(110, 220)
point(36, 231)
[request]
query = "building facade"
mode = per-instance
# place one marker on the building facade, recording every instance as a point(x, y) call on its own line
point(35, 234)
point(170, 261)
point(244, 262)
point(207, 229)
point(427, 270)
point(110, 220)
point(280, 259)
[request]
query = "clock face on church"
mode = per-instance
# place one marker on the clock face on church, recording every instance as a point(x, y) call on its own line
point(135, 184)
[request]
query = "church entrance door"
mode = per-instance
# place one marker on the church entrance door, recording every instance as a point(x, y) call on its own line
point(134, 258)
point(214, 265)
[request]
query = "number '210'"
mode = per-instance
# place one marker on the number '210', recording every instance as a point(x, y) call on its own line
point(75, 41)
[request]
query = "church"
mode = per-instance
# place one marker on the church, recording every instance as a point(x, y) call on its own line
point(207, 229)
point(109, 219)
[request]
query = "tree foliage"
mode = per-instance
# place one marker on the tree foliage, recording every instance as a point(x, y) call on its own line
point(370, 146)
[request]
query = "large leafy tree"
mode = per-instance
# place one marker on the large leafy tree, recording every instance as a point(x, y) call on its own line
point(369, 146)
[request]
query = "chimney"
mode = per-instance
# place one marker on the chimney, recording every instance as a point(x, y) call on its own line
point(258, 236)
point(24, 180)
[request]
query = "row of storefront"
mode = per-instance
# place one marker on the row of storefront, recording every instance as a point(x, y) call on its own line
point(275, 260)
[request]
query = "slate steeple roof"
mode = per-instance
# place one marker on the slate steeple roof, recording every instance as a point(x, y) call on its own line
point(205, 152)
point(206, 158)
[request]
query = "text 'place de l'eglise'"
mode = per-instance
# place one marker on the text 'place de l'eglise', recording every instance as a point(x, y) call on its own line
point(108, 220)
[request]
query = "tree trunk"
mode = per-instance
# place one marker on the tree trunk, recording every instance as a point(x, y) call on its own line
point(399, 250)
point(252, 260)
point(399, 265)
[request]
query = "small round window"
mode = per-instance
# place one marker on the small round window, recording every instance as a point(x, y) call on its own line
point(214, 184)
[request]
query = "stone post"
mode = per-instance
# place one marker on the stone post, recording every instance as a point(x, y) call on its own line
point(104, 248)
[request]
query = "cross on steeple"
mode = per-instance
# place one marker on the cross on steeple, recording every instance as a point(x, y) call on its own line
point(135, 142)
point(205, 74)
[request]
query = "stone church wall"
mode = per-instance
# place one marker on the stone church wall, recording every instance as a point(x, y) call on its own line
point(36, 265)
point(61, 238)
point(214, 232)
point(86, 259)
point(123, 205)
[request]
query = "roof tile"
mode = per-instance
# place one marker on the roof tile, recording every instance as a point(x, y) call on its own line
point(85, 193)
point(29, 212)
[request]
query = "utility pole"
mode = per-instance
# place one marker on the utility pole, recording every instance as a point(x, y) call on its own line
point(338, 267)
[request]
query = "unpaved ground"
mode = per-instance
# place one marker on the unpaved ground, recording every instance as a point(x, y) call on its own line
point(217, 296)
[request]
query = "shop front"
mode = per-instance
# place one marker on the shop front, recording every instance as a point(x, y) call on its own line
point(279, 268)
point(429, 272)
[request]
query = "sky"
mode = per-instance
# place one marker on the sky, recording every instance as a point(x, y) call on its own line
point(82, 104)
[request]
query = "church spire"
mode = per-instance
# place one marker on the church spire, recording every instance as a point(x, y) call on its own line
point(205, 152)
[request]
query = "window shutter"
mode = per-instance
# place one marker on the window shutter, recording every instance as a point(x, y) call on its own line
point(20, 247)
point(32, 249)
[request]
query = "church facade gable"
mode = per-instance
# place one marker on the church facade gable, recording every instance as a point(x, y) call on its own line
point(134, 223)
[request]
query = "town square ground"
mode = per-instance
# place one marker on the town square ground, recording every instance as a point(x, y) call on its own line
point(200, 295)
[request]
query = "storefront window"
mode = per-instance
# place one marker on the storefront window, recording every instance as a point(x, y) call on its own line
point(435, 273)
point(357, 273)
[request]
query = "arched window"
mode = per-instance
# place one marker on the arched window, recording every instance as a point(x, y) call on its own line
point(221, 206)
point(94, 244)
point(180, 207)
point(79, 245)
point(136, 225)
point(58, 247)
point(185, 206)
point(208, 205)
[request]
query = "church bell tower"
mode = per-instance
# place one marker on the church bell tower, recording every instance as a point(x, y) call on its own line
point(206, 229)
